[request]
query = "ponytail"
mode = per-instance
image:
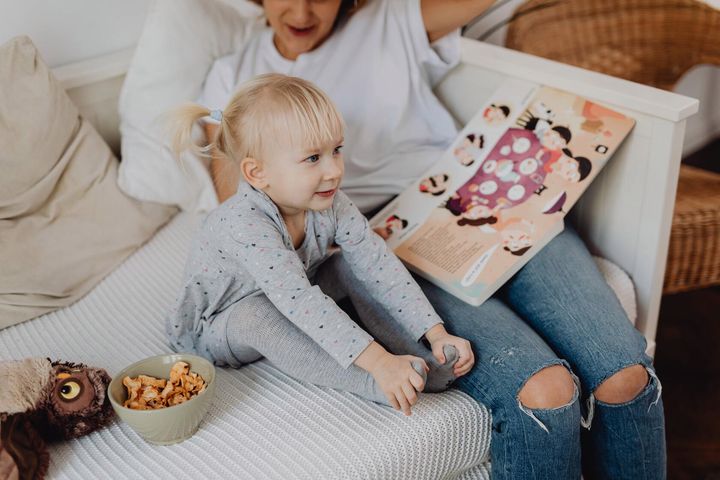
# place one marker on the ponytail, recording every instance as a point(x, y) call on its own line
point(263, 109)
point(223, 138)
point(181, 122)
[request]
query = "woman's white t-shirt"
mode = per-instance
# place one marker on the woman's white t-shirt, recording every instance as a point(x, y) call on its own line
point(379, 69)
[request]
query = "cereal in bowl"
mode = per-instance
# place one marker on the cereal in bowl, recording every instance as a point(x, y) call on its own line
point(148, 393)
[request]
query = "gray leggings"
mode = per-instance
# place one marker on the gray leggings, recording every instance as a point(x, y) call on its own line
point(255, 329)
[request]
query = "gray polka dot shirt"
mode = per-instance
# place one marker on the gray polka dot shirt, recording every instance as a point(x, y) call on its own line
point(244, 249)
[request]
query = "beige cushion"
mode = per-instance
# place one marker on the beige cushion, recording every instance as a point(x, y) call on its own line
point(64, 224)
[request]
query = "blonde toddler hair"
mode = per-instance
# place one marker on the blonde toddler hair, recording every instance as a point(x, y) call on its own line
point(269, 110)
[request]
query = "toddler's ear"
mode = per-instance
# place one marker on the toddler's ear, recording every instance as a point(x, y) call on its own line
point(253, 172)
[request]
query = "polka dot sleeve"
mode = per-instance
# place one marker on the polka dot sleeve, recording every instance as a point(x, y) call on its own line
point(381, 272)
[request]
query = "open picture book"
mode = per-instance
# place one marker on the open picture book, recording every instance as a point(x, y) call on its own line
point(499, 194)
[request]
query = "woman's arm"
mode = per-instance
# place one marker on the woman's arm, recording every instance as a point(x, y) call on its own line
point(225, 175)
point(443, 16)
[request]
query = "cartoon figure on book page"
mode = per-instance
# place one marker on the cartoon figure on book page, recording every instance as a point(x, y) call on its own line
point(518, 192)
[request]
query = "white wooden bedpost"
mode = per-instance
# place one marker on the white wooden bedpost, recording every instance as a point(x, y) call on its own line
point(626, 214)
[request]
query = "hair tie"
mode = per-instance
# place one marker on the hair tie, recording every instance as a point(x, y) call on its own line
point(216, 115)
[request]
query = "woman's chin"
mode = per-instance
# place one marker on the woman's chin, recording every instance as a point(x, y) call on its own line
point(291, 52)
point(299, 45)
point(292, 45)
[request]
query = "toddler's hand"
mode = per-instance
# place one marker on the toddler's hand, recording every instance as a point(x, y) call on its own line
point(399, 381)
point(439, 337)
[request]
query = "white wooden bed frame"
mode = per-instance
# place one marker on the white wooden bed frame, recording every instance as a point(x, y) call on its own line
point(626, 214)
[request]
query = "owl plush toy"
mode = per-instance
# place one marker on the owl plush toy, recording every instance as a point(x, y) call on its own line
point(43, 401)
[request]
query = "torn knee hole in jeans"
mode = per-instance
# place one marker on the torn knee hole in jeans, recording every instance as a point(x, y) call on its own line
point(591, 400)
point(529, 411)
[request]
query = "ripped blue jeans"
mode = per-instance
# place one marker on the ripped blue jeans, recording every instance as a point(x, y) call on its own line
point(558, 310)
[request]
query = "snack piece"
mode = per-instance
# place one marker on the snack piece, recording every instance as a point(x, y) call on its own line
point(147, 393)
point(177, 371)
point(133, 387)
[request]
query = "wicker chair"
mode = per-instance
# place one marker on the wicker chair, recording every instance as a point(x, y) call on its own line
point(653, 42)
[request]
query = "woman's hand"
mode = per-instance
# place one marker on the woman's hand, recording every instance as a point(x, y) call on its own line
point(439, 337)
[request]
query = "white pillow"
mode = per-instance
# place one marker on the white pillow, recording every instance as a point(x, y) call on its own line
point(180, 41)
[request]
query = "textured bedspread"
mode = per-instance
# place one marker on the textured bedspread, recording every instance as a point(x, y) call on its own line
point(263, 424)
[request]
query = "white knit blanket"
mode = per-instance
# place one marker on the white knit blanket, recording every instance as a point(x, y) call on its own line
point(262, 424)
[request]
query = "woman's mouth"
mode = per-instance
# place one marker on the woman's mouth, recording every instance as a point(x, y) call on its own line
point(327, 193)
point(301, 32)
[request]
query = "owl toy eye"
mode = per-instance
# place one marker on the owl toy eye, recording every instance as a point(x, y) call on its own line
point(70, 390)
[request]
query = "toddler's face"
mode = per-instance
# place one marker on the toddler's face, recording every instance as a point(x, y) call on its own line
point(304, 178)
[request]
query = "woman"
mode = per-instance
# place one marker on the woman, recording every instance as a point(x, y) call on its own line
point(555, 333)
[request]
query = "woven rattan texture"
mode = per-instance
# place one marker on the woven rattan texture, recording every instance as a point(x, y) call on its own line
point(653, 42)
point(694, 254)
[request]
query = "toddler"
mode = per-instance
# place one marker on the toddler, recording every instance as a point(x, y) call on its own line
point(268, 265)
